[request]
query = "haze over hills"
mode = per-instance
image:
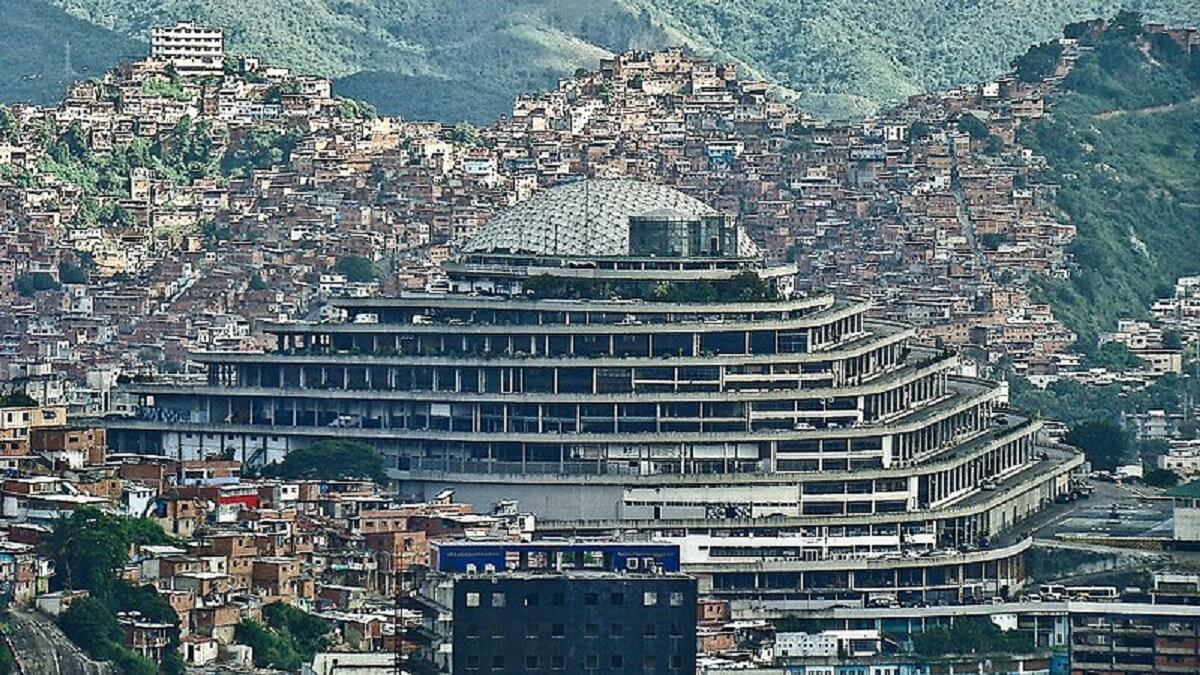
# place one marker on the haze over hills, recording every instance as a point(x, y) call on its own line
point(45, 49)
point(465, 59)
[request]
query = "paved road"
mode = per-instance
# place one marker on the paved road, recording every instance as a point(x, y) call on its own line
point(42, 649)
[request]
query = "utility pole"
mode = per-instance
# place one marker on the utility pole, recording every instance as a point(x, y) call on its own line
point(398, 630)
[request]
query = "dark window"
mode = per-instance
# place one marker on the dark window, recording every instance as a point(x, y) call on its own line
point(558, 662)
point(651, 630)
point(675, 631)
point(617, 661)
point(676, 662)
point(531, 662)
point(531, 600)
point(649, 663)
point(559, 600)
point(472, 631)
point(472, 662)
point(591, 599)
point(558, 630)
point(591, 630)
point(531, 630)
point(591, 662)
point(498, 662)
point(617, 630)
point(618, 598)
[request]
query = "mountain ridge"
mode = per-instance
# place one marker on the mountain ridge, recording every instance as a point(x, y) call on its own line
point(461, 59)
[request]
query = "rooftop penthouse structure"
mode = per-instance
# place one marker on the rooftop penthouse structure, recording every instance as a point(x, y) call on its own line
point(616, 356)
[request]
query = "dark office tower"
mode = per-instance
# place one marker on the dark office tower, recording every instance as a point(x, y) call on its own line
point(560, 607)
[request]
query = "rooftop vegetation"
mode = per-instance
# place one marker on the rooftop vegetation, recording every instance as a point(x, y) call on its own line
point(744, 286)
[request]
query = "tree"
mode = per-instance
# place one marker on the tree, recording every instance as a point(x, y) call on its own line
point(464, 134)
point(31, 282)
point(91, 625)
point(992, 240)
point(1171, 339)
point(8, 663)
point(331, 460)
point(89, 545)
point(970, 635)
point(1039, 62)
point(290, 638)
point(71, 274)
point(1160, 478)
point(1113, 356)
point(271, 650)
point(1104, 443)
point(17, 399)
point(9, 127)
point(1126, 24)
point(917, 131)
point(308, 632)
point(259, 148)
point(356, 269)
point(975, 127)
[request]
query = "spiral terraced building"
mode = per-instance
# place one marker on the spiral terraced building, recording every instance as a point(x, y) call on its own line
point(614, 356)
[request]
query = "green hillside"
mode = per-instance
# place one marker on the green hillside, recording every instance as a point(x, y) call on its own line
point(1123, 144)
point(44, 50)
point(447, 59)
point(852, 55)
point(453, 59)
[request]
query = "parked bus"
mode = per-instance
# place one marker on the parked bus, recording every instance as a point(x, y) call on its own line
point(1094, 593)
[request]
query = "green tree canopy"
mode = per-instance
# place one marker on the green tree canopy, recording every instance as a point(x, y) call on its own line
point(1161, 478)
point(30, 283)
point(974, 126)
point(310, 633)
point(917, 130)
point(331, 460)
point(8, 124)
point(1104, 443)
point(1039, 62)
point(357, 269)
point(970, 635)
point(71, 274)
point(1114, 356)
point(271, 649)
point(90, 546)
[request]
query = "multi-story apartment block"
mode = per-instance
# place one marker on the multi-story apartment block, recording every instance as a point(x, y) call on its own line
point(193, 50)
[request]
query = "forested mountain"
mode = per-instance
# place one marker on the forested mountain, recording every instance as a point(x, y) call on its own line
point(1122, 142)
point(465, 59)
point(44, 49)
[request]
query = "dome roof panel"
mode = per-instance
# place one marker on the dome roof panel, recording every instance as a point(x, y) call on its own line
point(584, 218)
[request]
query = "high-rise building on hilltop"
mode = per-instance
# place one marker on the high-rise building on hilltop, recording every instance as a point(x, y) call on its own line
point(193, 50)
point(615, 356)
